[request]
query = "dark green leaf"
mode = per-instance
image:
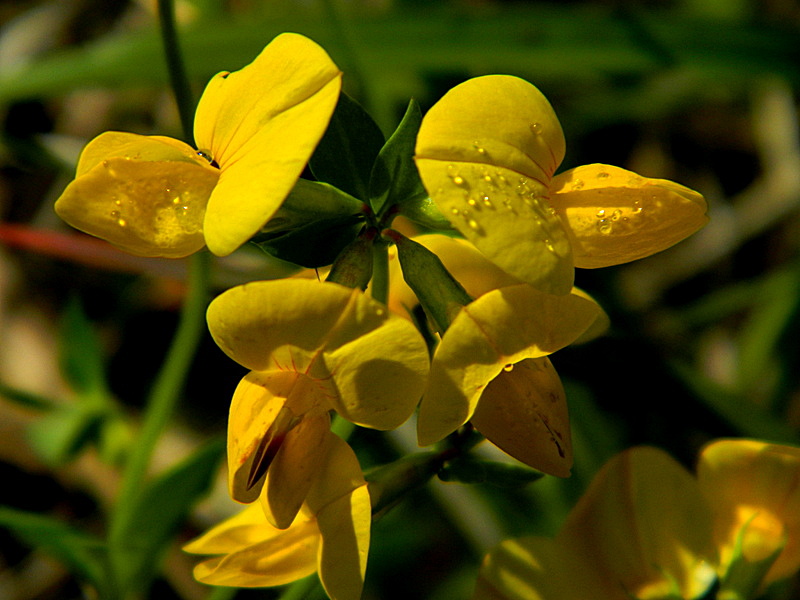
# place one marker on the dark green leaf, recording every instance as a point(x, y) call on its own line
point(138, 541)
point(502, 474)
point(25, 398)
point(83, 554)
point(314, 245)
point(394, 178)
point(345, 155)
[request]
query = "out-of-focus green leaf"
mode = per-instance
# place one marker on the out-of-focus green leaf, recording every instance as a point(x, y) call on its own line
point(61, 434)
point(83, 554)
point(778, 301)
point(542, 42)
point(394, 178)
point(25, 398)
point(503, 474)
point(137, 542)
point(311, 201)
point(80, 355)
point(739, 411)
point(346, 152)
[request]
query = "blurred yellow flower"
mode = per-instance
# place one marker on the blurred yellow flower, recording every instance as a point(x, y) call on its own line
point(647, 529)
point(312, 347)
point(330, 535)
point(255, 130)
point(487, 153)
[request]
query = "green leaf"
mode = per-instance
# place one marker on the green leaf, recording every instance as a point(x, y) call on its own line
point(502, 474)
point(347, 151)
point(25, 398)
point(316, 244)
point(83, 554)
point(80, 354)
point(62, 433)
point(394, 179)
point(138, 540)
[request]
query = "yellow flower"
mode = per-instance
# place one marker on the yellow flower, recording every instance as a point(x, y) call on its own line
point(487, 153)
point(647, 529)
point(255, 130)
point(330, 535)
point(754, 488)
point(312, 347)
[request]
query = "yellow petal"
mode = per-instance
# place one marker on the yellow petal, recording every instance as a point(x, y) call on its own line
point(523, 411)
point(245, 528)
point(614, 216)
point(743, 478)
point(344, 515)
point(509, 220)
point(261, 124)
point(599, 327)
point(280, 557)
point(501, 327)
point(296, 467)
point(486, 153)
point(373, 362)
point(145, 195)
point(257, 402)
point(642, 522)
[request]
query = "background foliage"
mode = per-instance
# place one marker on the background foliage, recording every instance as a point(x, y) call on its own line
point(703, 339)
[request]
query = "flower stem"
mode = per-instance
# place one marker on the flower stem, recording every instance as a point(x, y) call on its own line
point(165, 392)
point(177, 71)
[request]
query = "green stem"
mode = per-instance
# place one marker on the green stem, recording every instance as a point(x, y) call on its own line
point(177, 72)
point(165, 392)
point(380, 271)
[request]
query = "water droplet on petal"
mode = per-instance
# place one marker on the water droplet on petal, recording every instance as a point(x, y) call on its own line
point(455, 211)
point(458, 180)
point(602, 175)
point(536, 128)
point(473, 224)
point(604, 226)
point(122, 222)
point(601, 213)
point(508, 368)
point(616, 215)
point(577, 184)
point(472, 202)
point(487, 201)
point(478, 148)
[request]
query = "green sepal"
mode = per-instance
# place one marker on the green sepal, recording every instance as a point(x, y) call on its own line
point(353, 267)
point(83, 554)
point(316, 244)
point(466, 469)
point(347, 151)
point(439, 293)
point(394, 180)
point(137, 543)
point(310, 201)
point(423, 211)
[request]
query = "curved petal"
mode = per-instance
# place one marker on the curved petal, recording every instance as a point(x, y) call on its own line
point(645, 525)
point(296, 467)
point(341, 501)
point(145, 195)
point(258, 401)
point(501, 327)
point(261, 125)
point(486, 153)
point(523, 411)
point(615, 216)
point(743, 478)
point(245, 528)
point(279, 558)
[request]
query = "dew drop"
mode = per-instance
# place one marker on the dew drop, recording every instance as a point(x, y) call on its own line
point(122, 222)
point(114, 214)
point(380, 312)
point(536, 128)
point(577, 184)
point(549, 245)
point(455, 211)
point(601, 213)
point(616, 215)
point(508, 368)
point(604, 226)
point(478, 148)
point(472, 202)
point(602, 175)
point(473, 224)
point(458, 180)
point(487, 201)
point(637, 207)
point(205, 154)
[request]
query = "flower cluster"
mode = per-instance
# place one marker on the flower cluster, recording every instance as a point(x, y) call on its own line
point(647, 529)
point(495, 301)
